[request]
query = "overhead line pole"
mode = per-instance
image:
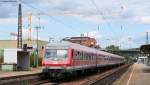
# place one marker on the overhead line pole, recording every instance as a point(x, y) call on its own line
point(19, 39)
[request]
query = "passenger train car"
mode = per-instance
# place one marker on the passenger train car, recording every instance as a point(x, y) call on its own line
point(66, 57)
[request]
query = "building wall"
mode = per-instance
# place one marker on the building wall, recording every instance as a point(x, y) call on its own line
point(4, 44)
point(87, 41)
point(13, 43)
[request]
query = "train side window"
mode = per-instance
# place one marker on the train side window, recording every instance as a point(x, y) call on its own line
point(75, 55)
point(90, 56)
point(103, 57)
point(84, 56)
point(99, 57)
point(87, 56)
point(80, 56)
point(106, 58)
point(93, 57)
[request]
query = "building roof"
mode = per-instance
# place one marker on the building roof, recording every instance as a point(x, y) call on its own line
point(13, 43)
point(87, 41)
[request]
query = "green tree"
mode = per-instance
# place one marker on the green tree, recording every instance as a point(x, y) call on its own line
point(112, 48)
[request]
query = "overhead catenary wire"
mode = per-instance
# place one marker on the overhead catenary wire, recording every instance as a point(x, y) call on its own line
point(102, 15)
point(51, 17)
point(39, 10)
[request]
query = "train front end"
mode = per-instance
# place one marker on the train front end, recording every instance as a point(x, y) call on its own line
point(56, 59)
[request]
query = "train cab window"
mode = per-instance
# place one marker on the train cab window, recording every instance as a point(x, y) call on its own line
point(50, 53)
point(59, 54)
point(62, 53)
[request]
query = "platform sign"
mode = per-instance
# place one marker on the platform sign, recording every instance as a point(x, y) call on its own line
point(10, 56)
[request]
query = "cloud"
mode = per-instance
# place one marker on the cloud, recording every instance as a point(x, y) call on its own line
point(146, 19)
point(6, 10)
point(14, 21)
point(6, 21)
point(100, 12)
point(25, 35)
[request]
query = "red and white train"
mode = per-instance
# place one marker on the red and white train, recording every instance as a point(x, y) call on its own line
point(66, 57)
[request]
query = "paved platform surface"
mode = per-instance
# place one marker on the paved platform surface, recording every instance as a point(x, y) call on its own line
point(5, 74)
point(138, 74)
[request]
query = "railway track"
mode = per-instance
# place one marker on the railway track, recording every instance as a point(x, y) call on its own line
point(22, 79)
point(101, 78)
point(108, 77)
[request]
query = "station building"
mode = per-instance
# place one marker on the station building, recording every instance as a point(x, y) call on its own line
point(86, 41)
point(12, 44)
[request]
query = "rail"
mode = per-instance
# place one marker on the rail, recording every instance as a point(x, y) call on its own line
point(104, 78)
point(22, 79)
point(108, 77)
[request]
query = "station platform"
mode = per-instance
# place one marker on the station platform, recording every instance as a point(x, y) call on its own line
point(7, 74)
point(138, 74)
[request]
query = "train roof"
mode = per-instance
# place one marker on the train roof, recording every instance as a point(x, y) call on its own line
point(66, 45)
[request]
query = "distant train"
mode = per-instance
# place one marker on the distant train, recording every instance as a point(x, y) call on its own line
point(67, 58)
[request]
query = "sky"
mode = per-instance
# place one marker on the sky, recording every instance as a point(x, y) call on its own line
point(123, 23)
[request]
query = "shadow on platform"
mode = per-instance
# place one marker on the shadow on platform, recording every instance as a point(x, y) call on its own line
point(146, 69)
